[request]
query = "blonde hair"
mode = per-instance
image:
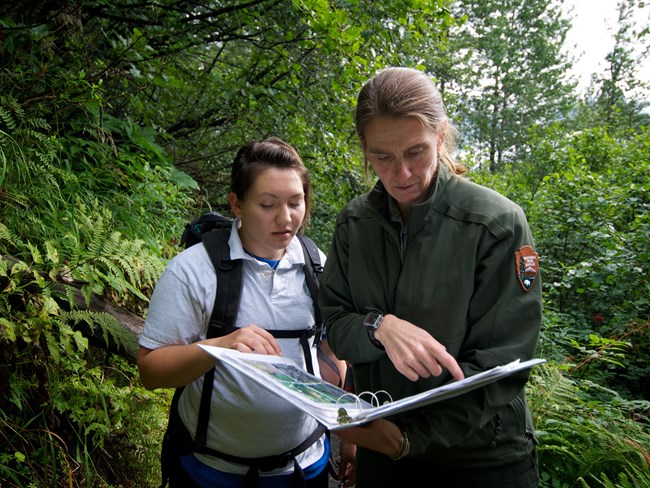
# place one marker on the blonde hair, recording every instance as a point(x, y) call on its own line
point(407, 92)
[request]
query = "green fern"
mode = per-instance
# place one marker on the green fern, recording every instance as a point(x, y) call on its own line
point(112, 331)
point(27, 153)
point(9, 241)
point(6, 116)
point(6, 234)
point(587, 432)
point(101, 260)
point(622, 481)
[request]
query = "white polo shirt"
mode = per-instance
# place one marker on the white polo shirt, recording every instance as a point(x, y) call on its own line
point(246, 420)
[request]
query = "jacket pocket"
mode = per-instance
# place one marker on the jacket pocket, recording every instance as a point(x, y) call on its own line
point(514, 424)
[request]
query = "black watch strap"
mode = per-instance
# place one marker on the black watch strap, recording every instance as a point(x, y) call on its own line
point(372, 322)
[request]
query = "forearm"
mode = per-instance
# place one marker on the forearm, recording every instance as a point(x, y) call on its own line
point(177, 365)
point(172, 366)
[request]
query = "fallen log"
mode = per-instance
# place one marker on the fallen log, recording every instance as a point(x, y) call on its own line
point(118, 331)
point(122, 341)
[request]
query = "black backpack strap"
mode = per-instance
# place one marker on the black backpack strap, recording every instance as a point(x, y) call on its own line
point(226, 304)
point(176, 441)
point(312, 273)
point(229, 283)
point(224, 314)
point(312, 253)
point(311, 268)
point(269, 463)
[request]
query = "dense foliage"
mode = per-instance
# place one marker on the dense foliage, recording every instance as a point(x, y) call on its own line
point(118, 122)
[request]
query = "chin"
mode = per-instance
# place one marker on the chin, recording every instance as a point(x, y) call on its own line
point(284, 240)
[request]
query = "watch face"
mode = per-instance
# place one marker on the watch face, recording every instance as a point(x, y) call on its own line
point(373, 319)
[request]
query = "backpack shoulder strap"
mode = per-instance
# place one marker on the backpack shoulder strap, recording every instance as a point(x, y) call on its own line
point(224, 314)
point(229, 283)
point(312, 253)
point(312, 273)
point(312, 269)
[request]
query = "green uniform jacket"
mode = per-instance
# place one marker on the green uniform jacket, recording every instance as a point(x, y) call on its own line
point(459, 279)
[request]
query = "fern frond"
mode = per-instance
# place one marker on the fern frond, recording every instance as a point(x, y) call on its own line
point(87, 292)
point(7, 117)
point(15, 200)
point(9, 241)
point(70, 295)
point(14, 106)
point(26, 147)
point(106, 327)
point(39, 123)
point(5, 233)
point(587, 430)
point(100, 233)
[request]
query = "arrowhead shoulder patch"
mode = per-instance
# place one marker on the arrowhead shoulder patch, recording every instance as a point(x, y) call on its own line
point(527, 266)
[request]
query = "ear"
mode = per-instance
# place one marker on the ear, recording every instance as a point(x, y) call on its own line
point(234, 204)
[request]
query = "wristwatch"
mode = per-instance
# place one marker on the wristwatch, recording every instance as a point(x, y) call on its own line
point(372, 322)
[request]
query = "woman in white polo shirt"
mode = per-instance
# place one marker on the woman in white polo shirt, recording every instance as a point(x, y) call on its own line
point(253, 437)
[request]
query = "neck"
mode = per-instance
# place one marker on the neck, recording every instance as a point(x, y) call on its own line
point(272, 262)
point(276, 257)
point(271, 254)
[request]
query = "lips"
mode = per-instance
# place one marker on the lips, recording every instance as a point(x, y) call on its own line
point(405, 187)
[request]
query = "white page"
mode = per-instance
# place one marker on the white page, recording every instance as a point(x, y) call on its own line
point(323, 400)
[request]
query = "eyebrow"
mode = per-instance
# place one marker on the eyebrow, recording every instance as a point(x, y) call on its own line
point(410, 148)
point(273, 195)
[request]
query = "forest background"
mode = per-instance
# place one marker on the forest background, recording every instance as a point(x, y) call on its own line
point(118, 122)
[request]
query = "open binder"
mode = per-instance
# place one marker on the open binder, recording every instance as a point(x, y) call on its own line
point(335, 408)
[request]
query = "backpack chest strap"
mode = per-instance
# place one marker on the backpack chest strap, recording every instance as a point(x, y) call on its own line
point(218, 329)
point(269, 463)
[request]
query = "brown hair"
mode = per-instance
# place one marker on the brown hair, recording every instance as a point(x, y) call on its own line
point(256, 156)
point(407, 92)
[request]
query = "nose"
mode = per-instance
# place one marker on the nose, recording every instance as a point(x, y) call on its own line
point(401, 169)
point(284, 215)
